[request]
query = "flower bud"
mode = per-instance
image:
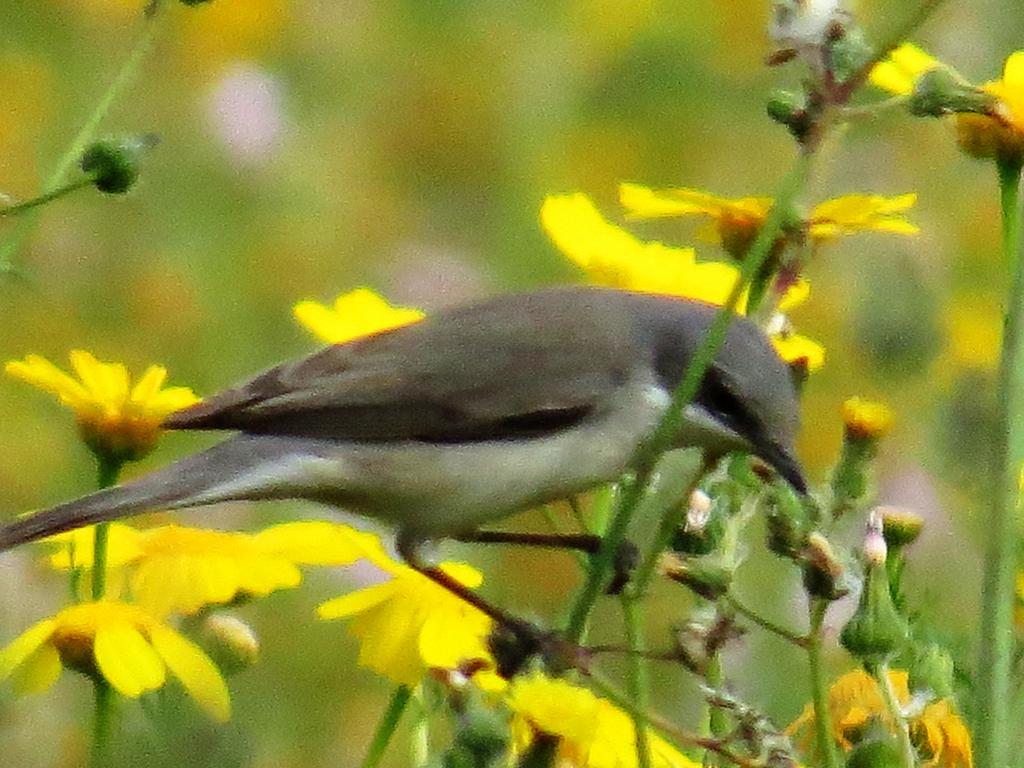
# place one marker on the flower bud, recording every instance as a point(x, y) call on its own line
point(114, 163)
point(874, 548)
point(940, 92)
point(824, 574)
point(786, 108)
point(881, 752)
point(786, 522)
point(708, 579)
point(900, 526)
point(704, 527)
point(865, 420)
point(932, 670)
point(876, 630)
point(231, 642)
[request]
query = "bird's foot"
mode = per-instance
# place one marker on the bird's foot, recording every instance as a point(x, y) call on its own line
point(515, 642)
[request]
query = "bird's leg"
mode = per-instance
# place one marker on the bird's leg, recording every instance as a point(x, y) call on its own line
point(514, 640)
point(625, 559)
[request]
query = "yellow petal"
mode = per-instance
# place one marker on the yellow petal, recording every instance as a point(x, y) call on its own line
point(23, 646)
point(41, 373)
point(795, 295)
point(150, 383)
point(193, 668)
point(1013, 72)
point(126, 660)
point(355, 314)
point(316, 543)
point(795, 348)
point(355, 602)
point(38, 672)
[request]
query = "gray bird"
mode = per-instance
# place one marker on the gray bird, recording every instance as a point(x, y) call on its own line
point(468, 416)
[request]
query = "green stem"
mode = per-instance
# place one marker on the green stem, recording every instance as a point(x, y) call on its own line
point(386, 727)
point(107, 471)
point(718, 725)
point(670, 521)
point(819, 687)
point(638, 680)
point(633, 487)
point(103, 722)
point(892, 705)
point(767, 624)
point(85, 134)
point(46, 197)
point(991, 726)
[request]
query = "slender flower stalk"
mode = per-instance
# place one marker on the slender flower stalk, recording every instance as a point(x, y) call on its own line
point(87, 132)
point(992, 713)
point(885, 686)
point(47, 197)
point(638, 677)
point(819, 687)
point(108, 470)
point(400, 698)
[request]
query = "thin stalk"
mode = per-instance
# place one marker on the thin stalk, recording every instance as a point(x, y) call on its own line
point(87, 132)
point(819, 687)
point(46, 197)
point(103, 722)
point(718, 725)
point(638, 679)
point(767, 624)
point(400, 698)
point(633, 487)
point(107, 471)
point(892, 705)
point(996, 650)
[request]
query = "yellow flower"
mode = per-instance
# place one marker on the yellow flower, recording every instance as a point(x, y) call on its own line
point(408, 624)
point(735, 223)
point(900, 70)
point(1001, 134)
point(611, 256)
point(175, 569)
point(116, 419)
point(865, 419)
point(591, 731)
point(119, 642)
point(939, 735)
point(355, 314)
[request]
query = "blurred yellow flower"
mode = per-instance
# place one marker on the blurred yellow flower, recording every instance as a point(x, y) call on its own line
point(119, 642)
point(116, 419)
point(174, 569)
point(1001, 134)
point(900, 70)
point(408, 624)
point(591, 731)
point(609, 255)
point(866, 419)
point(355, 314)
point(938, 733)
point(735, 223)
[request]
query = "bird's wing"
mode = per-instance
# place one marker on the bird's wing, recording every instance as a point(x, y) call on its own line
point(487, 371)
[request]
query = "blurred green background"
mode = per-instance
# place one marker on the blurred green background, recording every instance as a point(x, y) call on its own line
point(308, 147)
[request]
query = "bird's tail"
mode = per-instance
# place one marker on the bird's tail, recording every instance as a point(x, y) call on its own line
point(205, 478)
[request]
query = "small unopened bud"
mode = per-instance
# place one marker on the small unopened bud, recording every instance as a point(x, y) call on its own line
point(824, 574)
point(876, 630)
point(878, 752)
point(786, 108)
point(865, 419)
point(900, 526)
point(932, 670)
point(703, 529)
point(940, 92)
point(114, 163)
point(874, 548)
point(231, 642)
point(709, 580)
